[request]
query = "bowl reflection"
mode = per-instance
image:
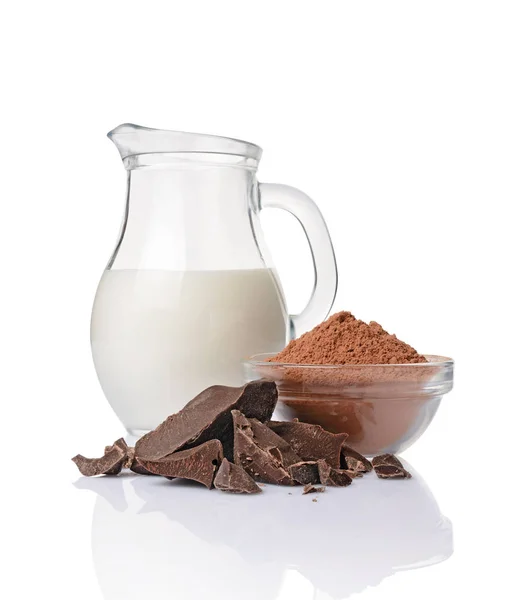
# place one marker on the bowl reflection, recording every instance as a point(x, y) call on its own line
point(158, 539)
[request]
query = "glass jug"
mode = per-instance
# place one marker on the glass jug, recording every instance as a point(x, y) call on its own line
point(190, 290)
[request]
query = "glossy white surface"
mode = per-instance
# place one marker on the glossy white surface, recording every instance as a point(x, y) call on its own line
point(177, 540)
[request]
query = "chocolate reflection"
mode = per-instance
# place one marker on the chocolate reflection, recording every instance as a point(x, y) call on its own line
point(176, 540)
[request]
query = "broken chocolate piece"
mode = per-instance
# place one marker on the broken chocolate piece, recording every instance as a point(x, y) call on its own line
point(110, 463)
point(233, 478)
point(311, 442)
point(198, 463)
point(137, 467)
point(386, 459)
point(310, 489)
point(330, 476)
point(269, 441)
point(305, 472)
point(355, 461)
point(388, 466)
point(260, 463)
point(391, 472)
point(130, 462)
point(121, 444)
point(208, 417)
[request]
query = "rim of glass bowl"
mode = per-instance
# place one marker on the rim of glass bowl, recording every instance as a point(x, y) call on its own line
point(433, 360)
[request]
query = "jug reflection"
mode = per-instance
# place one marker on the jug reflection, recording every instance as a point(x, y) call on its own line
point(152, 538)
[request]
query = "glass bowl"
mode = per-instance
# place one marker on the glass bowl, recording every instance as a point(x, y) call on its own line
point(382, 408)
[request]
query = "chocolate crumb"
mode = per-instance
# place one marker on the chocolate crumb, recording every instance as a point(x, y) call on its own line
point(110, 463)
point(314, 500)
point(310, 489)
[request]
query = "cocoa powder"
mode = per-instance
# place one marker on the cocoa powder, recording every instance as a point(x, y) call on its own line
point(351, 377)
point(345, 340)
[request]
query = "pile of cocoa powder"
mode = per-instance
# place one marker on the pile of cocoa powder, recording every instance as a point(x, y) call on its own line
point(357, 379)
point(344, 340)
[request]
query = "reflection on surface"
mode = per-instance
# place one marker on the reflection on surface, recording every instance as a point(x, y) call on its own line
point(157, 539)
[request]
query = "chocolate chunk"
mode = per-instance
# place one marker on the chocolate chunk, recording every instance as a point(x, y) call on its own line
point(130, 462)
point(208, 417)
point(330, 476)
point(311, 442)
point(137, 467)
point(262, 464)
point(388, 466)
point(391, 472)
point(198, 463)
point(233, 478)
point(122, 445)
point(310, 489)
point(269, 441)
point(110, 463)
point(386, 459)
point(355, 461)
point(305, 472)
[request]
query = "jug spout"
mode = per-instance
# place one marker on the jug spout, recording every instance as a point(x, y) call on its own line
point(134, 140)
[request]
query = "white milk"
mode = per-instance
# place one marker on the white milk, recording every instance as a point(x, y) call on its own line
point(161, 337)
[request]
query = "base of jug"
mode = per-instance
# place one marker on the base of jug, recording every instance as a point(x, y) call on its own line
point(134, 434)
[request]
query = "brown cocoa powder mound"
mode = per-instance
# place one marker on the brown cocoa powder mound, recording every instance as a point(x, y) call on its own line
point(344, 340)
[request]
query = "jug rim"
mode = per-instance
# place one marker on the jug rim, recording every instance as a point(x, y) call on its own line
point(133, 140)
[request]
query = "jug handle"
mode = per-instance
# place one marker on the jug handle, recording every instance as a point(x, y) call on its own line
point(275, 195)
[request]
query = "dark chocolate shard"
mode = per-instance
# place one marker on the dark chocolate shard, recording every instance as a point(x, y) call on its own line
point(130, 462)
point(310, 489)
point(305, 472)
point(270, 442)
point(110, 463)
point(198, 463)
point(388, 466)
point(356, 465)
point(233, 478)
point(122, 445)
point(311, 442)
point(208, 417)
point(391, 472)
point(330, 476)
point(386, 459)
point(355, 461)
point(137, 467)
point(261, 464)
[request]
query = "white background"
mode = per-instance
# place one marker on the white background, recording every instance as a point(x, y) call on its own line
point(397, 117)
